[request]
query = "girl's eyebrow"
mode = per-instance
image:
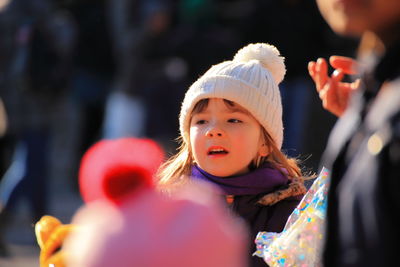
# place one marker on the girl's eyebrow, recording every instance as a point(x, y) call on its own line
point(235, 109)
point(238, 110)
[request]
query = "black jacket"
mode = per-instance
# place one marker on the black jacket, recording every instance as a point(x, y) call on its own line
point(262, 218)
point(363, 155)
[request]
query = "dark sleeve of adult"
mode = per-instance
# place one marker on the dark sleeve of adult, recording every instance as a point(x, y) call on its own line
point(391, 182)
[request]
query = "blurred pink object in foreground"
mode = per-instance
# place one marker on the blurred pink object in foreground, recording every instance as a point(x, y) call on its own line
point(191, 228)
point(116, 169)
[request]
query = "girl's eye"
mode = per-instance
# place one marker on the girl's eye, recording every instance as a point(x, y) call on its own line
point(201, 122)
point(234, 121)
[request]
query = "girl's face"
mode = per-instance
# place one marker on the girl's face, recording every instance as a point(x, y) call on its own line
point(224, 138)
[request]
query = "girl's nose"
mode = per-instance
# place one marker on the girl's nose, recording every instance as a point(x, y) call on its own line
point(210, 134)
point(214, 132)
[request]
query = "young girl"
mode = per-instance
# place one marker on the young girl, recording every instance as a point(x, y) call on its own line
point(231, 135)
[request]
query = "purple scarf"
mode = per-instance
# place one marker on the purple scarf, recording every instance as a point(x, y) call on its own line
point(262, 180)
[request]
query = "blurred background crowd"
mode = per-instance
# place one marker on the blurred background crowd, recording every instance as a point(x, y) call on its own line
point(75, 71)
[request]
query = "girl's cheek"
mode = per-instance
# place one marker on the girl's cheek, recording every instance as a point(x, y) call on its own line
point(192, 131)
point(195, 139)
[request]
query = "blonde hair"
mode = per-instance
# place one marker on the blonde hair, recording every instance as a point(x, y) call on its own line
point(289, 166)
point(176, 170)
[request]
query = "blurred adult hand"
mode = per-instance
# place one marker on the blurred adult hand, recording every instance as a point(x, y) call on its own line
point(334, 93)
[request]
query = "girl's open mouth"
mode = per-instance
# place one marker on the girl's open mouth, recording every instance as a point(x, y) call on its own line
point(214, 151)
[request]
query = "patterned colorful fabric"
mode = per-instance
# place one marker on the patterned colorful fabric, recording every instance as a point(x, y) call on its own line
point(300, 243)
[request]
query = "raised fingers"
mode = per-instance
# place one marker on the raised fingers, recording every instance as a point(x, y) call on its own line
point(348, 65)
point(319, 72)
point(321, 76)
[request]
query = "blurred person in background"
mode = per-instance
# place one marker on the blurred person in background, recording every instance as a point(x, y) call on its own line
point(35, 69)
point(93, 73)
point(111, 77)
point(363, 151)
point(106, 97)
point(136, 27)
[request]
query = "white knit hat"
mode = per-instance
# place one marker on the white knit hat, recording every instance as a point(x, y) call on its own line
point(251, 80)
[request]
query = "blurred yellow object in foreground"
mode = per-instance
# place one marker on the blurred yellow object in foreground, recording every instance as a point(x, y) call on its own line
point(50, 235)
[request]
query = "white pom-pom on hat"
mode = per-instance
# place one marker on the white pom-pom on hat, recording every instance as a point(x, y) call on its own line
point(268, 55)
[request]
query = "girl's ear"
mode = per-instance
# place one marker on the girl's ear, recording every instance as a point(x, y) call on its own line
point(264, 150)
